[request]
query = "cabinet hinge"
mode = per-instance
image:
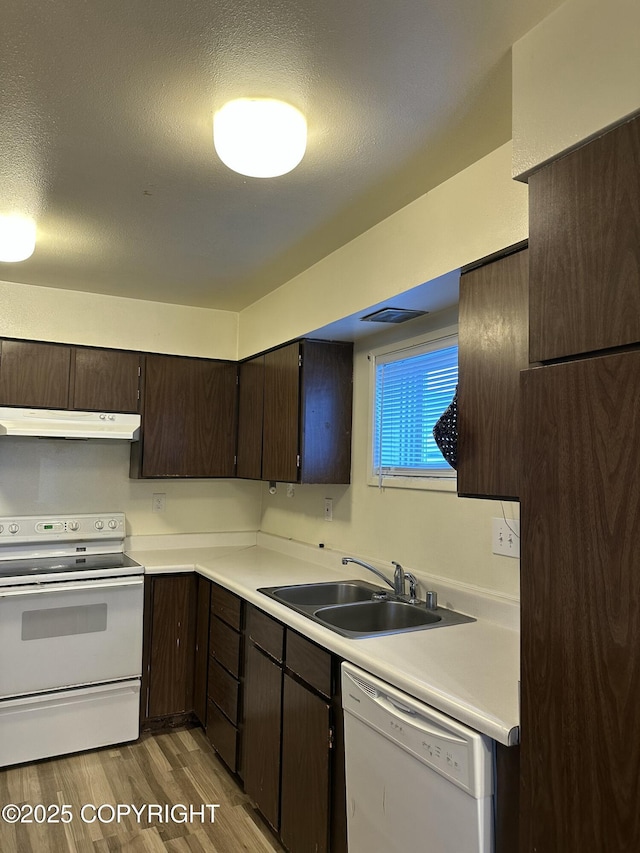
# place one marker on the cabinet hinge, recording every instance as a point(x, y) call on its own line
point(331, 736)
point(300, 360)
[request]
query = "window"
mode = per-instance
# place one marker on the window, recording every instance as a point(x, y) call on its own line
point(412, 388)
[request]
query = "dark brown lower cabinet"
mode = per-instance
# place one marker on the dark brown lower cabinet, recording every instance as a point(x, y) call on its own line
point(201, 659)
point(170, 617)
point(293, 757)
point(224, 670)
point(306, 727)
point(261, 732)
point(580, 754)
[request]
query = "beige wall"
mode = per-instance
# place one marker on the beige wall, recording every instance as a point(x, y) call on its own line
point(40, 476)
point(475, 213)
point(43, 475)
point(575, 74)
point(69, 316)
point(428, 531)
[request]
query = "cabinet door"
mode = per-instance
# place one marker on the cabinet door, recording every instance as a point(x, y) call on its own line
point(580, 759)
point(261, 732)
point(201, 660)
point(280, 445)
point(172, 645)
point(189, 417)
point(250, 412)
point(34, 374)
point(105, 380)
point(584, 234)
point(305, 769)
point(327, 394)
point(493, 349)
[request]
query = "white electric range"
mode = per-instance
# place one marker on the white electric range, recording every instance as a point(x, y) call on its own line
point(71, 610)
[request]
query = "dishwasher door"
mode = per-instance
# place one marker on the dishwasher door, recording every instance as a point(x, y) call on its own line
point(417, 781)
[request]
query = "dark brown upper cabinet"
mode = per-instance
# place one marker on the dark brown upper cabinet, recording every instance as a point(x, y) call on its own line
point(34, 374)
point(295, 414)
point(105, 380)
point(584, 234)
point(189, 419)
point(281, 456)
point(493, 348)
point(250, 413)
point(56, 376)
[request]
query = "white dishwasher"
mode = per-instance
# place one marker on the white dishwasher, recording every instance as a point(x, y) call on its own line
point(417, 781)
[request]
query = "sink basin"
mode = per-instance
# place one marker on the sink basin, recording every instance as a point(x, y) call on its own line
point(347, 608)
point(322, 594)
point(377, 617)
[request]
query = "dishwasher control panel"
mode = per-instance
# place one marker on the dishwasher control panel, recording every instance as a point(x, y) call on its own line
point(450, 758)
point(453, 750)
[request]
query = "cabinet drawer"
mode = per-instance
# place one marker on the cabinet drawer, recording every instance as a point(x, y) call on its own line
point(226, 606)
point(224, 645)
point(223, 690)
point(266, 633)
point(310, 662)
point(223, 735)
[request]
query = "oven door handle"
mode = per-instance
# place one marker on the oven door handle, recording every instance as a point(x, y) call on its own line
point(61, 586)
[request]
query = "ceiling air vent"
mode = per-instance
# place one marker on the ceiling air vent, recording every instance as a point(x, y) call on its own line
point(393, 315)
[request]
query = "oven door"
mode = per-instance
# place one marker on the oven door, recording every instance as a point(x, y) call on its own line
point(70, 633)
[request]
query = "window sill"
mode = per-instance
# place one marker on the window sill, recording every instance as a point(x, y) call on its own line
point(429, 484)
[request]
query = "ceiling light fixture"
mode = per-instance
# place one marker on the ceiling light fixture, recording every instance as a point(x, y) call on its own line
point(260, 137)
point(17, 238)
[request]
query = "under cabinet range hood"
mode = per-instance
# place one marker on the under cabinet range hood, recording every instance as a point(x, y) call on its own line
point(56, 423)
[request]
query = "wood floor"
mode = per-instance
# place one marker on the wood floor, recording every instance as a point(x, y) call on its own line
point(172, 769)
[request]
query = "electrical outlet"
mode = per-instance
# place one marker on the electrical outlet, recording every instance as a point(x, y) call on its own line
point(328, 509)
point(505, 539)
point(158, 502)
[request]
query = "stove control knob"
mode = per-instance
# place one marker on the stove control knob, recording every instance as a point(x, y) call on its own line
point(1, 528)
point(13, 528)
point(102, 417)
point(74, 525)
point(113, 523)
point(99, 524)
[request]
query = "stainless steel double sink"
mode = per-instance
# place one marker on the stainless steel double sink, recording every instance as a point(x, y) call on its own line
point(349, 608)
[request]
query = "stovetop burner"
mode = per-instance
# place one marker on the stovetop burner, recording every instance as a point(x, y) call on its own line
point(26, 569)
point(37, 549)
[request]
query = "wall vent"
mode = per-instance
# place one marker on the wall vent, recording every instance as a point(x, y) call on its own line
point(393, 315)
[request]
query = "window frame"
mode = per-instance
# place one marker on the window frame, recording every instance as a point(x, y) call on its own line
point(442, 479)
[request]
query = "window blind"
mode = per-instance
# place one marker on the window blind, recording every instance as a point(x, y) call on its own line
point(412, 391)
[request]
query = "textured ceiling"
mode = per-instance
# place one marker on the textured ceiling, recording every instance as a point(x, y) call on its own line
point(105, 131)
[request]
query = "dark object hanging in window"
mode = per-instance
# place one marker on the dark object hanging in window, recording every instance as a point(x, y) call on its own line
point(445, 432)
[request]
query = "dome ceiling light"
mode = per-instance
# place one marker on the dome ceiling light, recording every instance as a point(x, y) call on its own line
point(17, 238)
point(260, 137)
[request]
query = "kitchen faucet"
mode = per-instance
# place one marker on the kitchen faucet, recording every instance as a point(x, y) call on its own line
point(398, 575)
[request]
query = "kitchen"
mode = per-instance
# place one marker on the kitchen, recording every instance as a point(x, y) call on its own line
point(379, 525)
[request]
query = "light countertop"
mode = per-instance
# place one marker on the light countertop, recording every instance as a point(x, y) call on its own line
point(468, 671)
